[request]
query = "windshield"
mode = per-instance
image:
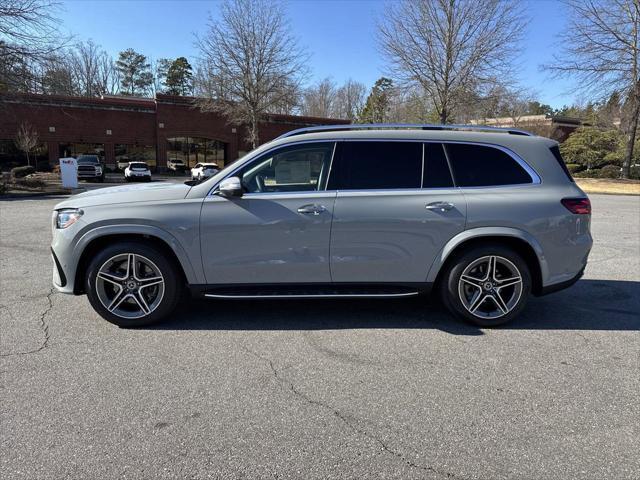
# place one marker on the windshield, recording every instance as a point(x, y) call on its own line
point(88, 159)
point(138, 165)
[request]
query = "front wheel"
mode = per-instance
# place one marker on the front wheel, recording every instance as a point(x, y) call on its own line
point(131, 284)
point(487, 285)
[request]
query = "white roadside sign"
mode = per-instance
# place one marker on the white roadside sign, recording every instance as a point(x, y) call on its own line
point(69, 172)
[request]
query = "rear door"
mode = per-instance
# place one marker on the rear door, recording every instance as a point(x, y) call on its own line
point(396, 207)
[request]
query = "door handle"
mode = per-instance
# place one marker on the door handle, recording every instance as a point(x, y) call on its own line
point(312, 209)
point(440, 206)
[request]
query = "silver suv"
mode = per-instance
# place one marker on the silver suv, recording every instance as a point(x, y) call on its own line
point(482, 217)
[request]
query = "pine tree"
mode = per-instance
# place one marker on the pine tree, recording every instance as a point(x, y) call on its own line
point(135, 73)
point(377, 105)
point(179, 77)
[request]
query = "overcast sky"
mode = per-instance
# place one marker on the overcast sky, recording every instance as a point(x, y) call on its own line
point(339, 34)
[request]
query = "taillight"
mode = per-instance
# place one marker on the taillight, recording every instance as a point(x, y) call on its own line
point(579, 206)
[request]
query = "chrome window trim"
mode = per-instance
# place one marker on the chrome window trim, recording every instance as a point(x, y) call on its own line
point(535, 178)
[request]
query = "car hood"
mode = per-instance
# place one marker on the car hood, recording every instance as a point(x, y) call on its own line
point(127, 194)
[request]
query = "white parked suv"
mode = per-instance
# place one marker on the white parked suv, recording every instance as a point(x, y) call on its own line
point(204, 170)
point(137, 171)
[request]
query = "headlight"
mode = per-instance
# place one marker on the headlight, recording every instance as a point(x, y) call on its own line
point(98, 170)
point(67, 217)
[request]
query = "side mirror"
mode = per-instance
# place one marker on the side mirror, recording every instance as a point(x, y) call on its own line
point(230, 187)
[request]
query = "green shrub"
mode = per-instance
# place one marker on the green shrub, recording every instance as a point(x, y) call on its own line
point(635, 173)
point(609, 171)
point(593, 173)
point(3, 188)
point(574, 167)
point(593, 147)
point(30, 183)
point(20, 172)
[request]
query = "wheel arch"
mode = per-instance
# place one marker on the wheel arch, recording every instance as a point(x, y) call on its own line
point(99, 238)
point(519, 241)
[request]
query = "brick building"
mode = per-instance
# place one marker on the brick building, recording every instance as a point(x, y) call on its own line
point(129, 128)
point(556, 127)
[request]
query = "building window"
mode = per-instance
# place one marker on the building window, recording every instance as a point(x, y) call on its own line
point(192, 150)
point(136, 153)
point(77, 149)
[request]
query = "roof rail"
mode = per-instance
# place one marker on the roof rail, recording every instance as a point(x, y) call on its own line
point(408, 126)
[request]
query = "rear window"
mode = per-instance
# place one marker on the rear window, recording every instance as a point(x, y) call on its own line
point(138, 165)
point(556, 153)
point(436, 170)
point(377, 165)
point(484, 166)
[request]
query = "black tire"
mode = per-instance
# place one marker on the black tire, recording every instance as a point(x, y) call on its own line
point(172, 283)
point(451, 291)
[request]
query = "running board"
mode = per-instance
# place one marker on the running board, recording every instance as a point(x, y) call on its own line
point(313, 295)
point(310, 291)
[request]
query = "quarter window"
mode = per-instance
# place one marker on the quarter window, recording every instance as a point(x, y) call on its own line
point(297, 168)
point(481, 166)
point(377, 165)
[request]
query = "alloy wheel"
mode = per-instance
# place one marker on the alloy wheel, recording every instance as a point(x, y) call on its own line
point(490, 287)
point(130, 285)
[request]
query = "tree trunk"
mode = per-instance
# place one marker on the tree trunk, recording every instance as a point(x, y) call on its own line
point(444, 116)
point(28, 161)
point(633, 130)
point(253, 132)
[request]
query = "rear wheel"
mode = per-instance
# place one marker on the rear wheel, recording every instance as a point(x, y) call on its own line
point(487, 285)
point(131, 284)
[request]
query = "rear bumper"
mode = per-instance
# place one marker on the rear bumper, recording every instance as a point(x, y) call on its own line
point(556, 287)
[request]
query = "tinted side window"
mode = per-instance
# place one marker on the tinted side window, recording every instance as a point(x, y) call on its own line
point(436, 170)
point(479, 166)
point(377, 165)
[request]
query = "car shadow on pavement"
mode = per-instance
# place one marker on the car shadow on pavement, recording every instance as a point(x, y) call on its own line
point(588, 305)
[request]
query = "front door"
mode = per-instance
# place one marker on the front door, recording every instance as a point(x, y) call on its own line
point(279, 230)
point(395, 209)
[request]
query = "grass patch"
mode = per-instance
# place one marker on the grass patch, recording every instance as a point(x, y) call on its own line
point(605, 185)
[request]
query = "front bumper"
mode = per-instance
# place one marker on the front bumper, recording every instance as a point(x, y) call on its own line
point(59, 277)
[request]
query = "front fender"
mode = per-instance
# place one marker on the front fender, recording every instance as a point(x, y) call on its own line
point(481, 232)
point(193, 275)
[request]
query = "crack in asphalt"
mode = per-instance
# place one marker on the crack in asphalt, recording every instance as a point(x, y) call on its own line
point(336, 413)
point(44, 327)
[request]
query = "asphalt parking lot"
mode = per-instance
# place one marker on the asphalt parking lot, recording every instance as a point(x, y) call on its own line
point(321, 389)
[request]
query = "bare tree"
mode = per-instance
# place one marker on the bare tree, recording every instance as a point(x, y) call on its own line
point(447, 46)
point(319, 100)
point(108, 78)
point(93, 69)
point(601, 47)
point(29, 35)
point(26, 139)
point(251, 61)
point(56, 77)
point(349, 100)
